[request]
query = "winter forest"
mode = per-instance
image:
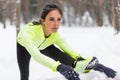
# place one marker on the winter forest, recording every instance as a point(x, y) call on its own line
point(91, 27)
point(98, 12)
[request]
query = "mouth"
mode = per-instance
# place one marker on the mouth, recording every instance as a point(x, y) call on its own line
point(55, 29)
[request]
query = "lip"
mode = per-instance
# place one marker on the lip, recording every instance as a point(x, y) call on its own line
point(55, 29)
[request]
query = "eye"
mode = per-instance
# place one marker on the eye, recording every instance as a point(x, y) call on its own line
point(59, 19)
point(51, 19)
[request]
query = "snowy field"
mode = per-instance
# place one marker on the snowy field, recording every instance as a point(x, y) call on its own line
point(100, 42)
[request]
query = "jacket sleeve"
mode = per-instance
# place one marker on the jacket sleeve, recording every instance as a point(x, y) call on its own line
point(25, 38)
point(65, 47)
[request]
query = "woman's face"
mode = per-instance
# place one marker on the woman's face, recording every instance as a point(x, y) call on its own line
point(52, 22)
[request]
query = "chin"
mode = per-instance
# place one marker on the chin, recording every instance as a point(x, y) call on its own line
point(55, 30)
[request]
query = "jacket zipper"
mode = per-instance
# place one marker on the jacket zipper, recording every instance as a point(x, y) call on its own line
point(41, 43)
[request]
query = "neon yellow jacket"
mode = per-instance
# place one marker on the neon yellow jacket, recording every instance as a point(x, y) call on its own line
point(32, 38)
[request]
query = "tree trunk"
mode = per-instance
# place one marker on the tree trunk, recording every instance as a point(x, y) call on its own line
point(3, 12)
point(100, 13)
point(116, 15)
point(26, 10)
point(18, 16)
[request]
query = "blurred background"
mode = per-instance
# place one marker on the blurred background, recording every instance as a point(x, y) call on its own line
point(88, 26)
point(76, 12)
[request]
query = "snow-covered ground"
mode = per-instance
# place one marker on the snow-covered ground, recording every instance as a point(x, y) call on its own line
point(96, 41)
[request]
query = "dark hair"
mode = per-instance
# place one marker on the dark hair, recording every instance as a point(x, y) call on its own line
point(46, 9)
point(49, 7)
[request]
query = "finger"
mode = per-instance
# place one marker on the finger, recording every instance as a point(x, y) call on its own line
point(105, 70)
point(107, 73)
point(111, 70)
point(71, 75)
point(110, 73)
point(75, 75)
point(66, 75)
point(99, 69)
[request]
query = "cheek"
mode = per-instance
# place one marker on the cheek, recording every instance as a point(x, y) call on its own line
point(59, 23)
point(50, 24)
point(47, 23)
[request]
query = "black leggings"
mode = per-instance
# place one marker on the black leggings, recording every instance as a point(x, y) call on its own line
point(23, 58)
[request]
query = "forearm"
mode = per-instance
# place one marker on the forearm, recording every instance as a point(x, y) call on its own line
point(36, 55)
point(68, 50)
point(42, 59)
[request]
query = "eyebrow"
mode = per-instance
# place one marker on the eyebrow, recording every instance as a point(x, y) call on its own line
point(51, 17)
point(58, 17)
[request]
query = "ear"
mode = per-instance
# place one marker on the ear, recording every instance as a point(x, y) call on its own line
point(42, 21)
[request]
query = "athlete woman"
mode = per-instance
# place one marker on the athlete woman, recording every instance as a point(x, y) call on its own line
point(42, 41)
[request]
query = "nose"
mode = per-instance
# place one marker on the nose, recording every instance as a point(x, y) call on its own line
point(56, 23)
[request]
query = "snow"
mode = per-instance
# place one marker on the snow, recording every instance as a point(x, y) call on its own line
point(97, 41)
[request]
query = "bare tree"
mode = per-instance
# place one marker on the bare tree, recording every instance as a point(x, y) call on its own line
point(17, 15)
point(0, 10)
point(117, 14)
point(100, 13)
point(10, 11)
point(3, 12)
point(108, 10)
point(25, 7)
point(74, 10)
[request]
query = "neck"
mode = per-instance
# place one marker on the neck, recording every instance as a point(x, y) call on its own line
point(46, 33)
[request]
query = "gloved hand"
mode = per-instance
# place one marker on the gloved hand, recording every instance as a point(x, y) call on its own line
point(68, 72)
point(108, 71)
point(92, 63)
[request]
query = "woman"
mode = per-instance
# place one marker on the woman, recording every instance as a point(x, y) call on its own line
point(39, 39)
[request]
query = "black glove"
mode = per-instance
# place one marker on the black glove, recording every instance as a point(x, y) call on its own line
point(108, 71)
point(68, 72)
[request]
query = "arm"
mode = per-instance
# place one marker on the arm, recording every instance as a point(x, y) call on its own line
point(25, 38)
point(65, 47)
point(27, 41)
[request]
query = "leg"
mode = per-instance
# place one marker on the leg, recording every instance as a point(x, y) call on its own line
point(23, 58)
point(58, 55)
